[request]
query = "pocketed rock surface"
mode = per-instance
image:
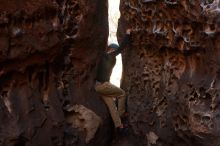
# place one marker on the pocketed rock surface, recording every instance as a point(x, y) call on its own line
point(172, 80)
point(48, 55)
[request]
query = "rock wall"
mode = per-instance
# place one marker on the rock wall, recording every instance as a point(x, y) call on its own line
point(172, 80)
point(48, 55)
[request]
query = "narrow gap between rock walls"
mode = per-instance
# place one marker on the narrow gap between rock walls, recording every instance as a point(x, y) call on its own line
point(113, 17)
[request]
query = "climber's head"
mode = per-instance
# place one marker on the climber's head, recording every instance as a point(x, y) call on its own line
point(112, 47)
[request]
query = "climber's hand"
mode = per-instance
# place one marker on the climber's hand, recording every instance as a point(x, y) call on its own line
point(128, 31)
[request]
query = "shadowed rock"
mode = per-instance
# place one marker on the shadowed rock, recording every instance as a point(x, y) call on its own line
point(48, 55)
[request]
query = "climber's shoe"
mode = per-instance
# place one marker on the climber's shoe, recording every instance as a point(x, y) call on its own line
point(122, 130)
point(125, 120)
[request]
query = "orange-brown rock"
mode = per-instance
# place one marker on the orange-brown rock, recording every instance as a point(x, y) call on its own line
point(172, 80)
point(48, 55)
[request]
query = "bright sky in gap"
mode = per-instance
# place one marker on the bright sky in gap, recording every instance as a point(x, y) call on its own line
point(113, 16)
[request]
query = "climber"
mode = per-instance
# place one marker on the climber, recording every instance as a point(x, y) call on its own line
point(107, 90)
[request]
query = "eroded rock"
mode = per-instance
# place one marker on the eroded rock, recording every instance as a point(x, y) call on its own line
point(48, 55)
point(172, 80)
point(152, 138)
point(84, 120)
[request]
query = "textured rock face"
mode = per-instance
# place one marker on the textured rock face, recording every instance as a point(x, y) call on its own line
point(172, 80)
point(83, 119)
point(48, 55)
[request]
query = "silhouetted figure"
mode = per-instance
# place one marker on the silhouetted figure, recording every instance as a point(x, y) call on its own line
point(107, 90)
